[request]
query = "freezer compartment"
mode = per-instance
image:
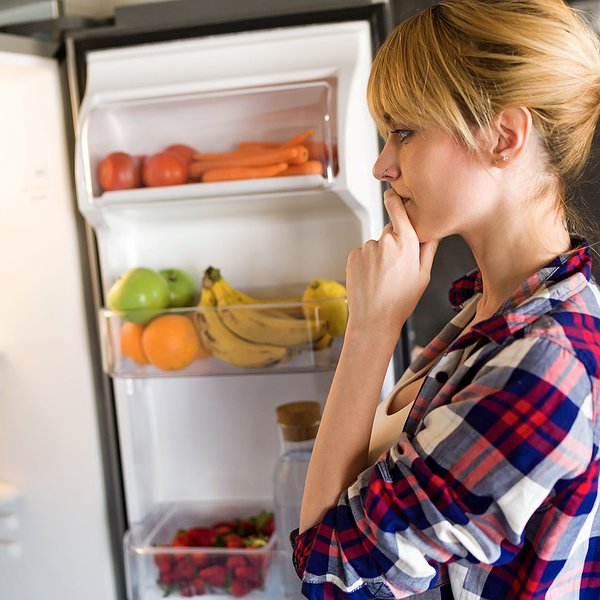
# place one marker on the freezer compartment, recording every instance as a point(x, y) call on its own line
point(210, 549)
point(227, 339)
point(252, 140)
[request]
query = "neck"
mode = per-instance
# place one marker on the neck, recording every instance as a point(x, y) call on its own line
point(508, 254)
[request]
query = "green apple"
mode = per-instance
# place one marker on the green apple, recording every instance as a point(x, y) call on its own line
point(182, 289)
point(137, 295)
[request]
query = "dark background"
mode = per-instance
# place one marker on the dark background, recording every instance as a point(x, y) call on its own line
point(454, 258)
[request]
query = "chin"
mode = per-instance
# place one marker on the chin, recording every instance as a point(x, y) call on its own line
point(424, 235)
point(431, 234)
point(431, 237)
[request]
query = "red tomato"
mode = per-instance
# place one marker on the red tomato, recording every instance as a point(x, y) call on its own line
point(164, 168)
point(119, 171)
point(186, 152)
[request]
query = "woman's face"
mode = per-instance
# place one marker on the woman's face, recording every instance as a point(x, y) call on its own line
point(445, 188)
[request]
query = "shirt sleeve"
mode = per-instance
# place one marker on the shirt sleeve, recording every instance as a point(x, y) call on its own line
point(464, 487)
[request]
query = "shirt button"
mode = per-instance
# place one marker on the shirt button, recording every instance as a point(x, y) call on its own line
point(441, 376)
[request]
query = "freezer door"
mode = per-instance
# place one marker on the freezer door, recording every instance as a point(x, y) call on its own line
point(53, 519)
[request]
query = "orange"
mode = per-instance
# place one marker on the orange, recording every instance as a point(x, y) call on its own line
point(171, 342)
point(131, 342)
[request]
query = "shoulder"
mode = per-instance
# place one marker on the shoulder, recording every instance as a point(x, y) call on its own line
point(572, 325)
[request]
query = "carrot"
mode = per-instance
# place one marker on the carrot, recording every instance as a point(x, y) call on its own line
point(224, 156)
point(256, 159)
point(232, 173)
point(301, 157)
point(258, 145)
point(311, 167)
point(298, 139)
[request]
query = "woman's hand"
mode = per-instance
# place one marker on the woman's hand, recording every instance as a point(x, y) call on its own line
point(386, 278)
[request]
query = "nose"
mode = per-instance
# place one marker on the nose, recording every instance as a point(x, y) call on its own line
point(386, 166)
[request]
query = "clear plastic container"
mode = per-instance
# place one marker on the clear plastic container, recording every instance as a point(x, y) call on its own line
point(155, 568)
point(210, 122)
point(225, 340)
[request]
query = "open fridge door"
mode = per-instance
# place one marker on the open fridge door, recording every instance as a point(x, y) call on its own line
point(198, 439)
point(54, 540)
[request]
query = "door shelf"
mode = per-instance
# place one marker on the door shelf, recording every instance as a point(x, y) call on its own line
point(167, 553)
point(196, 191)
point(279, 337)
point(236, 127)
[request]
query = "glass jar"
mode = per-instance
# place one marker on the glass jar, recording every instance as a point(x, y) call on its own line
point(298, 424)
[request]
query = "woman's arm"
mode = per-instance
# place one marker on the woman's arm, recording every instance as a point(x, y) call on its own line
point(342, 444)
point(385, 279)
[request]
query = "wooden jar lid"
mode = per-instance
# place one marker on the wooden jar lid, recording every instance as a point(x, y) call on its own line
point(299, 421)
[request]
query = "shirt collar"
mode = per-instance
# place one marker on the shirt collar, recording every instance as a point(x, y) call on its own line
point(560, 278)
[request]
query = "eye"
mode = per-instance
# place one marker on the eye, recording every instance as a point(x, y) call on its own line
point(402, 134)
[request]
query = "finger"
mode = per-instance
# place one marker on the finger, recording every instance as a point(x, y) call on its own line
point(386, 230)
point(427, 253)
point(395, 209)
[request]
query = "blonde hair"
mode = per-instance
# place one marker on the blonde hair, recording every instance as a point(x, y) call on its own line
point(456, 65)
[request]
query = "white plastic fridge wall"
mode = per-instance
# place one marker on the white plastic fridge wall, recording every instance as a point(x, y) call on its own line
point(212, 438)
point(295, 238)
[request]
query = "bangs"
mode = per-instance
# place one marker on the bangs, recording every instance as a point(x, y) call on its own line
point(389, 95)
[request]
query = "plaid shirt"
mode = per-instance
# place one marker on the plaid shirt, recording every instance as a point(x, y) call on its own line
point(492, 490)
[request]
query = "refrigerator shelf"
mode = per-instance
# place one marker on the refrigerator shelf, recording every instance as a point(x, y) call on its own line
point(156, 568)
point(194, 191)
point(240, 339)
point(211, 125)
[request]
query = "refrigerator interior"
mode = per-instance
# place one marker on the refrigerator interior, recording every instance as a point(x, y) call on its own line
point(211, 436)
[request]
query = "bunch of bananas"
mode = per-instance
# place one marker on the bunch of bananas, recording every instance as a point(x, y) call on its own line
point(238, 330)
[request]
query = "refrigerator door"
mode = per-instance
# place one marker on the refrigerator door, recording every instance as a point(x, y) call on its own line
point(54, 539)
point(196, 438)
point(196, 434)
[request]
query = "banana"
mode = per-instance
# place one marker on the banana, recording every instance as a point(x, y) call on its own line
point(262, 325)
point(227, 346)
point(239, 297)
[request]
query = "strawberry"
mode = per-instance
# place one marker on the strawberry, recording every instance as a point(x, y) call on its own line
point(200, 560)
point(259, 561)
point(199, 586)
point(215, 575)
point(188, 591)
point(184, 570)
point(247, 574)
point(181, 539)
point(264, 523)
point(224, 527)
point(164, 562)
point(245, 527)
point(201, 536)
point(235, 561)
point(167, 579)
point(269, 527)
point(233, 540)
point(239, 588)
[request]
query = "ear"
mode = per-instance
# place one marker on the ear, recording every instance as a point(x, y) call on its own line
point(510, 131)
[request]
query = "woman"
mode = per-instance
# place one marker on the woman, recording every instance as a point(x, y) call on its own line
point(488, 108)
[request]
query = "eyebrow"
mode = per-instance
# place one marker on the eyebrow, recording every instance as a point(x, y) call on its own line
point(388, 119)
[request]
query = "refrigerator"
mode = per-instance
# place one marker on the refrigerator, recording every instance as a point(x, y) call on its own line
point(103, 460)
